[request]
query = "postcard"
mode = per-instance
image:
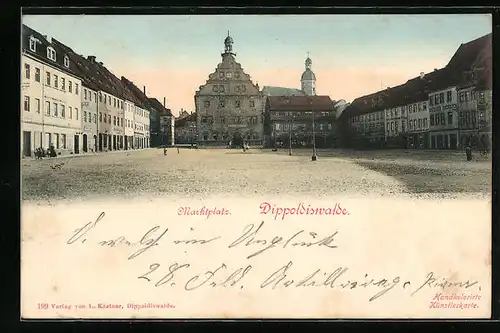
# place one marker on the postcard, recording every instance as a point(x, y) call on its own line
point(256, 166)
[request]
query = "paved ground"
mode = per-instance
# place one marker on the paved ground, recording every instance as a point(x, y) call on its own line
point(204, 172)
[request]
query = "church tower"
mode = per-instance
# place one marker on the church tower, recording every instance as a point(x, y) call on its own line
point(308, 79)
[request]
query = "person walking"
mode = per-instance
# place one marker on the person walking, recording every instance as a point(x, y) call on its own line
point(177, 150)
point(165, 151)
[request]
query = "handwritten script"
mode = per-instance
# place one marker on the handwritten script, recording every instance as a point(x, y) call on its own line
point(254, 241)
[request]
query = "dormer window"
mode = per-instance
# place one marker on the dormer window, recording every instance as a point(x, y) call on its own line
point(33, 44)
point(51, 53)
point(66, 61)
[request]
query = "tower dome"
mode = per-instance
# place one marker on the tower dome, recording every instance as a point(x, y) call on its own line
point(308, 79)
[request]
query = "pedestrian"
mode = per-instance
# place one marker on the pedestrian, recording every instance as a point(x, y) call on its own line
point(468, 152)
point(164, 150)
point(177, 150)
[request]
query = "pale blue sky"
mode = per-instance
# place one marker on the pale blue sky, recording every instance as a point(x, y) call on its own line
point(132, 45)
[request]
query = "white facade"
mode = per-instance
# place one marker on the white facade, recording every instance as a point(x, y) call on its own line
point(395, 121)
point(50, 108)
point(141, 127)
point(418, 117)
point(129, 112)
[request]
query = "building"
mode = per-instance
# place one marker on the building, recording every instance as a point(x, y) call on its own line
point(424, 112)
point(229, 106)
point(51, 102)
point(299, 120)
point(166, 123)
point(142, 116)
point(183, 114)
point(185, 129)
point(108, 101)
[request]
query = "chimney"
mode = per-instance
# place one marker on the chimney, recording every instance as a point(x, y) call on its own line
point(91, 59)
point(100, 63)
point(422, 74)
point(144, 89)
point(164, 102)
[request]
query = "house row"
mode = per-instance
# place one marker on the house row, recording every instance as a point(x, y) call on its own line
point(77, 105)
point(448, 108)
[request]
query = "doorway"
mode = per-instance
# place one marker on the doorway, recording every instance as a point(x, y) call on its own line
point(85, 143)
point(76, 145)
point(26, 143)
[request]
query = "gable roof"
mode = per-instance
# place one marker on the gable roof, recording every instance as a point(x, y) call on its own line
point(138, 93)
point(163, 111)
point(95, 75)
point(299, 103)
point(468, 54)
point(282, 91)
point(182, 121)
point(40, 53)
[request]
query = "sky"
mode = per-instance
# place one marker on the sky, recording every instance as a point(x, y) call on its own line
point(352, 55)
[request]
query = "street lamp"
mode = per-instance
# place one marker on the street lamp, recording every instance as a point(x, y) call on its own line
point(290, 137)
point(314, 157)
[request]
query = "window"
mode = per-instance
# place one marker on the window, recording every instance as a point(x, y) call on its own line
point(467, 118)
point(450, 117)
point(70, 112)
point(76, 113)
point(403, 126)
point(441, 98)
point(104, 98)
point(100, 117)
point(114, 102)
point(51, 54)
point(27, 71)
point(222, 104)
point(442, 119)
point(461, 97)
point(467, 96)
point(237, 104)
point(473, 116)
point(33, 44)
point(63, 111)
point(76, 88)
point(70, 86)
point(63, 83)
point(56, 135)
point(420, 123)
point(105, 119)
point(392, 126)
point(410, 125)
point(100, 97)
point(85, 94)
point(425, 106)
point(95, 97)
point(26, 103)
point(55, 112)
point(436, 99)
point(37, 105)
point(84, 116)
point(37, 74)
point(47, 108)
point(94, 118)
point(114, 120)
point(63, 139)
point(56, 81)
point(109, 100)
point(109, 119)
point(252, 104)
point(66, 61)
point(48, 78)
point(448, 96)
point(431, 100)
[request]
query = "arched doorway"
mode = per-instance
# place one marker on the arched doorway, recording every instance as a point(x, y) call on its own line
point(85, 143)
point(237, 140)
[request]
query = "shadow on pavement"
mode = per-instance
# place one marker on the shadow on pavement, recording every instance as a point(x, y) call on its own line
point(429, 178)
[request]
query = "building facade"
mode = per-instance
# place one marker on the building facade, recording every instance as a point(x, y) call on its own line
point(89, 119)
point(229, 106)
point(166, 122)
point(298, 121)
point(418, 125)
point(443, 114)
point(50, 94)
point(185, 129)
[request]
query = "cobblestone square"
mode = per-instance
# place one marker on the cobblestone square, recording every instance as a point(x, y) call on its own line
point(207, 172)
